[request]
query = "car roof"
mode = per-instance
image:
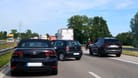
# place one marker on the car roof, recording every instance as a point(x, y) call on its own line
point(107, 38)
point(34, 40)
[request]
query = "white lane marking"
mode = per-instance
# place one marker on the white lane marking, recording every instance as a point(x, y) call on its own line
point(125, 61)
point(93, 74)
point(1, 75)
point(4, 72)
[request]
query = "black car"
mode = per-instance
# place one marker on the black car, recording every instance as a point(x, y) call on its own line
point(34, 55)
point(106, 45)
point(67, 49)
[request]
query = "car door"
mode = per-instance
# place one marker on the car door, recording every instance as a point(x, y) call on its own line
point(59, 46)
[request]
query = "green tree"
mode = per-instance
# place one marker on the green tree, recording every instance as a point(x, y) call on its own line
point(28, 34)
point(3, 35)
point(14, 31)
point(88, 28)
point(35, 35)
point(47, 35)
point(100, 28)
point(134, 28)
point(78, 23)
point(125, 38)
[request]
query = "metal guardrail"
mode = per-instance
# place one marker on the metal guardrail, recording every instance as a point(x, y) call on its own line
point(3, 42)
point(4, 51)
point(131, 49)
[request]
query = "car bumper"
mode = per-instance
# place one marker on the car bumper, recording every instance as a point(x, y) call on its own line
point(23, 66)
point(73, 54)
point(113, 51)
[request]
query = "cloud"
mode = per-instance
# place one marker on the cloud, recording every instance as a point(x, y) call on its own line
point(125, 4)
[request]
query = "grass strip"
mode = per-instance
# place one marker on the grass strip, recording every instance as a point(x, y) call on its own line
point(7, 45)
point(130, 53)
point(4, 59)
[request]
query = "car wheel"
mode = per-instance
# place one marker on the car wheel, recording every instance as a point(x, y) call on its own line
point(118, 55)
point(90, 52)
point(78, 58)
point(100, 54)
point(55, 72)
point(61, 56)
point(13, 73)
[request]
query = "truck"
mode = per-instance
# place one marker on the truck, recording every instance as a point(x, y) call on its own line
point(43, 37)
point(51, 38)
point(10, 37)
point(65, 34)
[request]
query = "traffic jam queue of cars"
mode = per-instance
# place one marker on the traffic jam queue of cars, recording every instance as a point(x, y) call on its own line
point(39, 55)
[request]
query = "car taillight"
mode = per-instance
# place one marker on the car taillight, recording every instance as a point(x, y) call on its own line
point(13, 67)
point(120, 45)
point(55, 67)
point(50, 53)
point(106, 45)
point(18, 53)
point(67, 48)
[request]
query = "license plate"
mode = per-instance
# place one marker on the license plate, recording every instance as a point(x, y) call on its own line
point(34, 64)
point(76, 53)
point(114, 46)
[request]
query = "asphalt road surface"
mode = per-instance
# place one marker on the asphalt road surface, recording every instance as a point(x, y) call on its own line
point(89, 67)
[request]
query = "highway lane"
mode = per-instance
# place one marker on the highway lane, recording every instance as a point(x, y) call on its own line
point(89, 67)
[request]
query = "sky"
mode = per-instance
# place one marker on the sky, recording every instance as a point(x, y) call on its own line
point(47, 16)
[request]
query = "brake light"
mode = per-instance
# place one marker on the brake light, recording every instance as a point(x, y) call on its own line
point(67, 48)
point(50, 53)
point(18, 53)
point(55, 67)
point(13, 67)
point(106, 45)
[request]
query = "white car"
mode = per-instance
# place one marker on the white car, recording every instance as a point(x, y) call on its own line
point(10, 39)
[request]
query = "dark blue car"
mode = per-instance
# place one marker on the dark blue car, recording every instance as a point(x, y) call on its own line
point(34, 55)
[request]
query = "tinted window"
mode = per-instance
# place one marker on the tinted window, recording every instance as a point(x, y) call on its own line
point(77, 43)
point(36, 44)
point(111, 41)
point(74, 43)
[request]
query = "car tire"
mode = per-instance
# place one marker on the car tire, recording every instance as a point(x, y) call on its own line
point(13, 73)
point(78, 58)
point(100, 54)
point(55, 72)
point(61, 57)
point(90, 52)
point(118, 55)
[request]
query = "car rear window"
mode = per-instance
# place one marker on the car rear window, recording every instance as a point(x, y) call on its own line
point(34, 44)
point(112, 41)
point(75, 43)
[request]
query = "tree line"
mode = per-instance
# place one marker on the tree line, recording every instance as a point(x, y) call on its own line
point(87, 28)
point(22, 35)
